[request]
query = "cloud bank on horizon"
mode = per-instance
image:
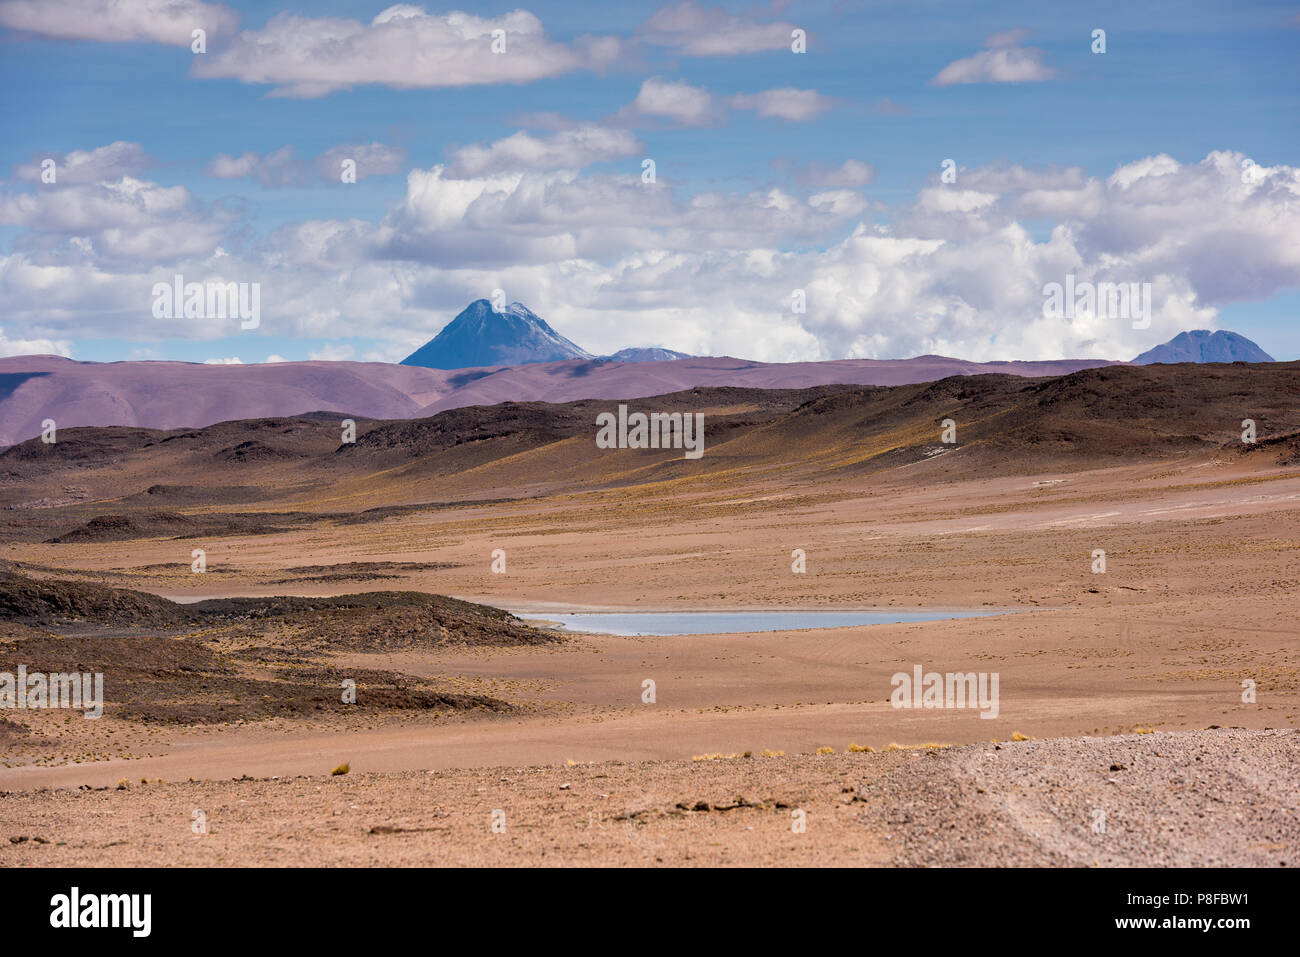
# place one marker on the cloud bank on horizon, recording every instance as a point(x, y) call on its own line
point(787, 182)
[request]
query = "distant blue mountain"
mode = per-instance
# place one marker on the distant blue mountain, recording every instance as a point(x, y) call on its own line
point(647, 354)
point(1201, 345)
point(480, 336)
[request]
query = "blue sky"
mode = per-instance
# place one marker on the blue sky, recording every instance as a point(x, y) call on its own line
point(775, 171)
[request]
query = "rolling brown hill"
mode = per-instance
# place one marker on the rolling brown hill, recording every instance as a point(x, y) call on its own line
point(111, 484)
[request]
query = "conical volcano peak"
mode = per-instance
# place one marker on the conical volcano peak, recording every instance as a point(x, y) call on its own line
point(481, 336)
point(1202, 345)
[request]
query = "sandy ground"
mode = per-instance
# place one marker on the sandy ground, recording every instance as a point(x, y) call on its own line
point(1198, 596)
point(1212, 798)
point(791, 691)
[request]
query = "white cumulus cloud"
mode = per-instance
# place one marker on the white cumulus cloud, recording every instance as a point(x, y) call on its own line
point(568, 149)
point(1003, 60)
point(674, 100)
point(283, 167)
point(696, 30)
point(119, 21)
point(404, 47)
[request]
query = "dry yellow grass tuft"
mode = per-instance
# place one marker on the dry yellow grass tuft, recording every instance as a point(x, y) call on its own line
point(927, 746)
point(342, 769)
point(768, 753)
point(825, 749)
point(1017, 736)
point(858, 748)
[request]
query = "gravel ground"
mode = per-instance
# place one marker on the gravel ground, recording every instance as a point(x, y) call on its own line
point(1200, 798)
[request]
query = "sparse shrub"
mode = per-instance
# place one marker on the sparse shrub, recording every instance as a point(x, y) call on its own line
point(342, 769)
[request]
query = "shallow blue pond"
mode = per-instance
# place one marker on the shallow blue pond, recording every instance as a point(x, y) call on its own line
point(663, 623)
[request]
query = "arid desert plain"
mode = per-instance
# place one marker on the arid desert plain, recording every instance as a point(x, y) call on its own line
point(1147, 704)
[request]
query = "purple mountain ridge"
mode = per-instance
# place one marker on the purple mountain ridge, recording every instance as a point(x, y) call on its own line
point(173, 395)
